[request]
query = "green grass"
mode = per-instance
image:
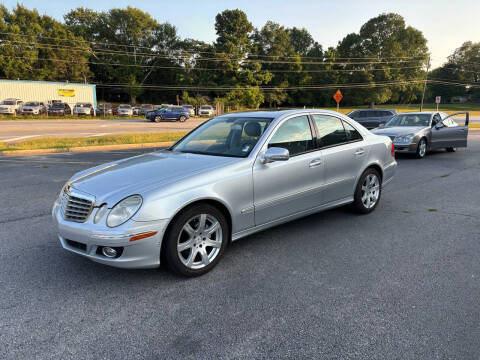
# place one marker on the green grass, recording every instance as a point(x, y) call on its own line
point(66, 117)
point(65, 143)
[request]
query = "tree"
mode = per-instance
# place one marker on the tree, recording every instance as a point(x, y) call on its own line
point(463, 66)
point(395, 53)
point(38, 47)
point(139, 45)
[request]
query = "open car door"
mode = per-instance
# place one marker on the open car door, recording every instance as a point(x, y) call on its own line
point(450, 133)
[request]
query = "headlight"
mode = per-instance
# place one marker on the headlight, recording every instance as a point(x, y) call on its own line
point(404, 139)
point(124, 210)
point(100, 212)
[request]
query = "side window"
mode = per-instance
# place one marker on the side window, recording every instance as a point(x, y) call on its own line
point(294, 135)
point(351, 133)
point(363, 114)
point(330, 130)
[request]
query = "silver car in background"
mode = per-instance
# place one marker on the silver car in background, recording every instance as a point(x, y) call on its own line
point(83, 109)
point(418, 132)
point(232, 176)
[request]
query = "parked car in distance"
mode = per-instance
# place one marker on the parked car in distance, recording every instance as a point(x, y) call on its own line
point(104, 109)
point(83, 109)
point(11, 106)
point(125, 110)
point(135, 111)
point(206, 110)
point(372, 118)
point(232, 176)
point(190, 108)
point(34, 108)
point(418, 132)
point(59, 109)
point(176, 113)
point(145, 108)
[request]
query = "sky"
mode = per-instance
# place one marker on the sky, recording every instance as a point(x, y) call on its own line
point(446, 24)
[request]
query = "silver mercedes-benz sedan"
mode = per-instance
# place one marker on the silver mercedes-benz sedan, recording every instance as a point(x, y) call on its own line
point(232, 176)
point(418, 132)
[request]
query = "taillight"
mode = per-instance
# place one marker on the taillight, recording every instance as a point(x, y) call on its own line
point(392, 150)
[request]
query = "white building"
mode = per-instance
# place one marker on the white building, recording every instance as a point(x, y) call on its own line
point(46, 91)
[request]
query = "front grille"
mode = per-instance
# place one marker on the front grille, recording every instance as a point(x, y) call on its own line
point(75, 208)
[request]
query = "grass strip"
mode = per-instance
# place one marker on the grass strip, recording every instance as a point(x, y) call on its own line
point(68, 142)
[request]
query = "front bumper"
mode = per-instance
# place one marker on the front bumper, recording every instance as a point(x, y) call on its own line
point(405, 148)
point(7, 111)
point(86, 238)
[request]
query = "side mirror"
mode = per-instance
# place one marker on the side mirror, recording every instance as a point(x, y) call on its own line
point(439, 125)
point(275, 154)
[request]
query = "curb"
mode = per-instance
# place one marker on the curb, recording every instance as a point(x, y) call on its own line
point(84, 149)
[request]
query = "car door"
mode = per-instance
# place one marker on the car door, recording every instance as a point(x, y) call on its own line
point(284, 188)
point(344, 153)
point(169, 114)
point(449, 133)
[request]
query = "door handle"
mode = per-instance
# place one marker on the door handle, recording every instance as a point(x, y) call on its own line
point(315, 163)
point(359, 152)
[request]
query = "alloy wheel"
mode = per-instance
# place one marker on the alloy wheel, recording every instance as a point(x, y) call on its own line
point(199, 241)
point(422, 148)
point(370, 191)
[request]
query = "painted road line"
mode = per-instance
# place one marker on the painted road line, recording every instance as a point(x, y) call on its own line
point(101, 134)
point(21, 138)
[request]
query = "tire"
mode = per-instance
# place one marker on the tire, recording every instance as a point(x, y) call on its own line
point(421, 149)
point(182, 118)
point(451, 149)
point(157, 118)
point(197, 257)
point(368, 192)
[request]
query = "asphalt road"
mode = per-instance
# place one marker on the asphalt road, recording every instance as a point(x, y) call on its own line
point(400, 283)
point(18, 130)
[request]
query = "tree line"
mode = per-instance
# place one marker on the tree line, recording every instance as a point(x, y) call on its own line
point(133, 57)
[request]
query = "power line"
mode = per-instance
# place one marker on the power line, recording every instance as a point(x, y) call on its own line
point(207, 69)
point(213, 59)
point(83, 41)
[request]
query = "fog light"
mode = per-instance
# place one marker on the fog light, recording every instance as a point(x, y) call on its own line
point(109, 252)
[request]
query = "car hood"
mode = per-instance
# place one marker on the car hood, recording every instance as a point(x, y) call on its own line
point(30, 107)
point(137, 175)
point(6, 106)
point(397, 130)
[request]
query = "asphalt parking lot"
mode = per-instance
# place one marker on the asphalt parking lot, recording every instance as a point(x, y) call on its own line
point(402, 282)
point(17, 130)
point(12, 131)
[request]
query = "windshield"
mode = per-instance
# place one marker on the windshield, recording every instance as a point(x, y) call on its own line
point(32, 103)
point(409, 120)
point(205, 107)
point(147, 106)
point(224, 136)
point(8, 102)
point(58, 106)
point(124, 107)
point(84, 105)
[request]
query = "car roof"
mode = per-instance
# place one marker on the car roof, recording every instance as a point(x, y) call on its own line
point(375, 109)
point(278, 113)
point(419, 112)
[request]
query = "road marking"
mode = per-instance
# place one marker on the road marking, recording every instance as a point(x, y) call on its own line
point(101, 134)
point(20, 138)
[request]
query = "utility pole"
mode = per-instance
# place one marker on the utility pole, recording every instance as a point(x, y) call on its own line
point(425, 83)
